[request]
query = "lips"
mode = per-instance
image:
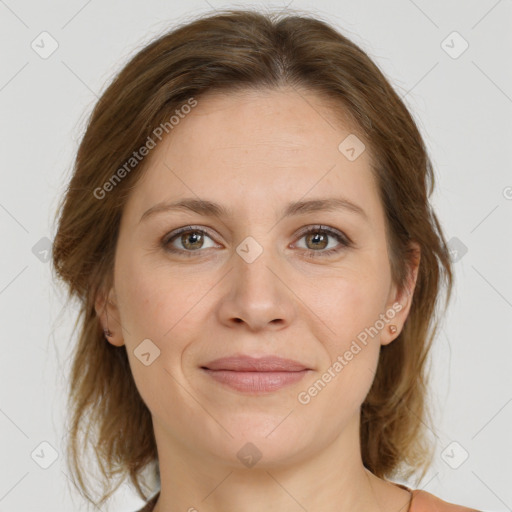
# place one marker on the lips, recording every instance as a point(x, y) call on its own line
point(252, 364)
point(254, 376)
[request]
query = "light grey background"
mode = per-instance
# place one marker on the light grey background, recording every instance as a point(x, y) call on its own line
point(463, 106)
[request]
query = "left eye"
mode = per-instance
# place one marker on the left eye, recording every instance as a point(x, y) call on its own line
point(317, 241)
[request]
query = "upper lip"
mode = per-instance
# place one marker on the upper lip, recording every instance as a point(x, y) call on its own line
point(242, 363)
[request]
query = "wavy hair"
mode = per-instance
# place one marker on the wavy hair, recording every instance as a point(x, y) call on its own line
point(237, 50)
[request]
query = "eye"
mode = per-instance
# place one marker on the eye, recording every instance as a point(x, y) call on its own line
point(190, 238)
point(317, 237)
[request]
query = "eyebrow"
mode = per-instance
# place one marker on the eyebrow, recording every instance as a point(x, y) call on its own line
point(211, 209)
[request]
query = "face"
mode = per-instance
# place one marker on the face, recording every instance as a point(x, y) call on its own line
point(290, 262)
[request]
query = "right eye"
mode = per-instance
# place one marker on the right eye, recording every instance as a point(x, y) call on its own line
point(190, 238)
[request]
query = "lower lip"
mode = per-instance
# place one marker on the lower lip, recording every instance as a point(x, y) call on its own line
point(256, 382)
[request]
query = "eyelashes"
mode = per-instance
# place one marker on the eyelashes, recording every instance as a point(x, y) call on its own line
point(325, 233)
point(196, 235)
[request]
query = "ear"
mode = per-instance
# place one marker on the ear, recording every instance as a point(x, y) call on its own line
point(107, 311)
point(400, 299)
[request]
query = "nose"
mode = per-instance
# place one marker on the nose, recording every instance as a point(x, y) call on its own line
point(257, 294)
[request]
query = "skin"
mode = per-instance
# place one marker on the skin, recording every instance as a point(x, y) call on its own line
point(255, 152)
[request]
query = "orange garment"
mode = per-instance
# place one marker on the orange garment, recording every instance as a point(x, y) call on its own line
point(421, 501)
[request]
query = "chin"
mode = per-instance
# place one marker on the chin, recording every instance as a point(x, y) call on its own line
point(263, 442)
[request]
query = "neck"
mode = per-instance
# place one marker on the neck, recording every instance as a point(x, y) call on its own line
point(202, 482)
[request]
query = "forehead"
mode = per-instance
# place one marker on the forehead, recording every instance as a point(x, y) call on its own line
point(257, 147)
point(286, 119)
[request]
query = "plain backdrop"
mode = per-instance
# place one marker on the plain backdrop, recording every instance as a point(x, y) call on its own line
point(450, 61)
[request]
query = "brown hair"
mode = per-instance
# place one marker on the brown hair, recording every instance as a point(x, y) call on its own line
point(238, 49)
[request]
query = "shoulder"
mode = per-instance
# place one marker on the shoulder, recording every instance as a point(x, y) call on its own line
point(423, 501)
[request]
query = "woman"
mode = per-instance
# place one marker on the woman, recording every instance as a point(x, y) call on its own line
point(249, 234)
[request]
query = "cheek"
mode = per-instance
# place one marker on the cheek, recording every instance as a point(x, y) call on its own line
point(141, 302)
point(350, 307)
point(154, 299)
point(350, 304)
point(152, 306)
point(163, 305)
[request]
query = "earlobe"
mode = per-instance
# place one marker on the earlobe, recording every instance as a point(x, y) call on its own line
point(390, 334)
point(106, 311)
point(398, 309)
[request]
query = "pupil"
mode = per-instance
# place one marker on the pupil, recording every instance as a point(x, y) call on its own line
point(191, 240)
point(318, 238)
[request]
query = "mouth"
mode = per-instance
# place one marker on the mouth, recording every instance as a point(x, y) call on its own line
point(255, 375)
